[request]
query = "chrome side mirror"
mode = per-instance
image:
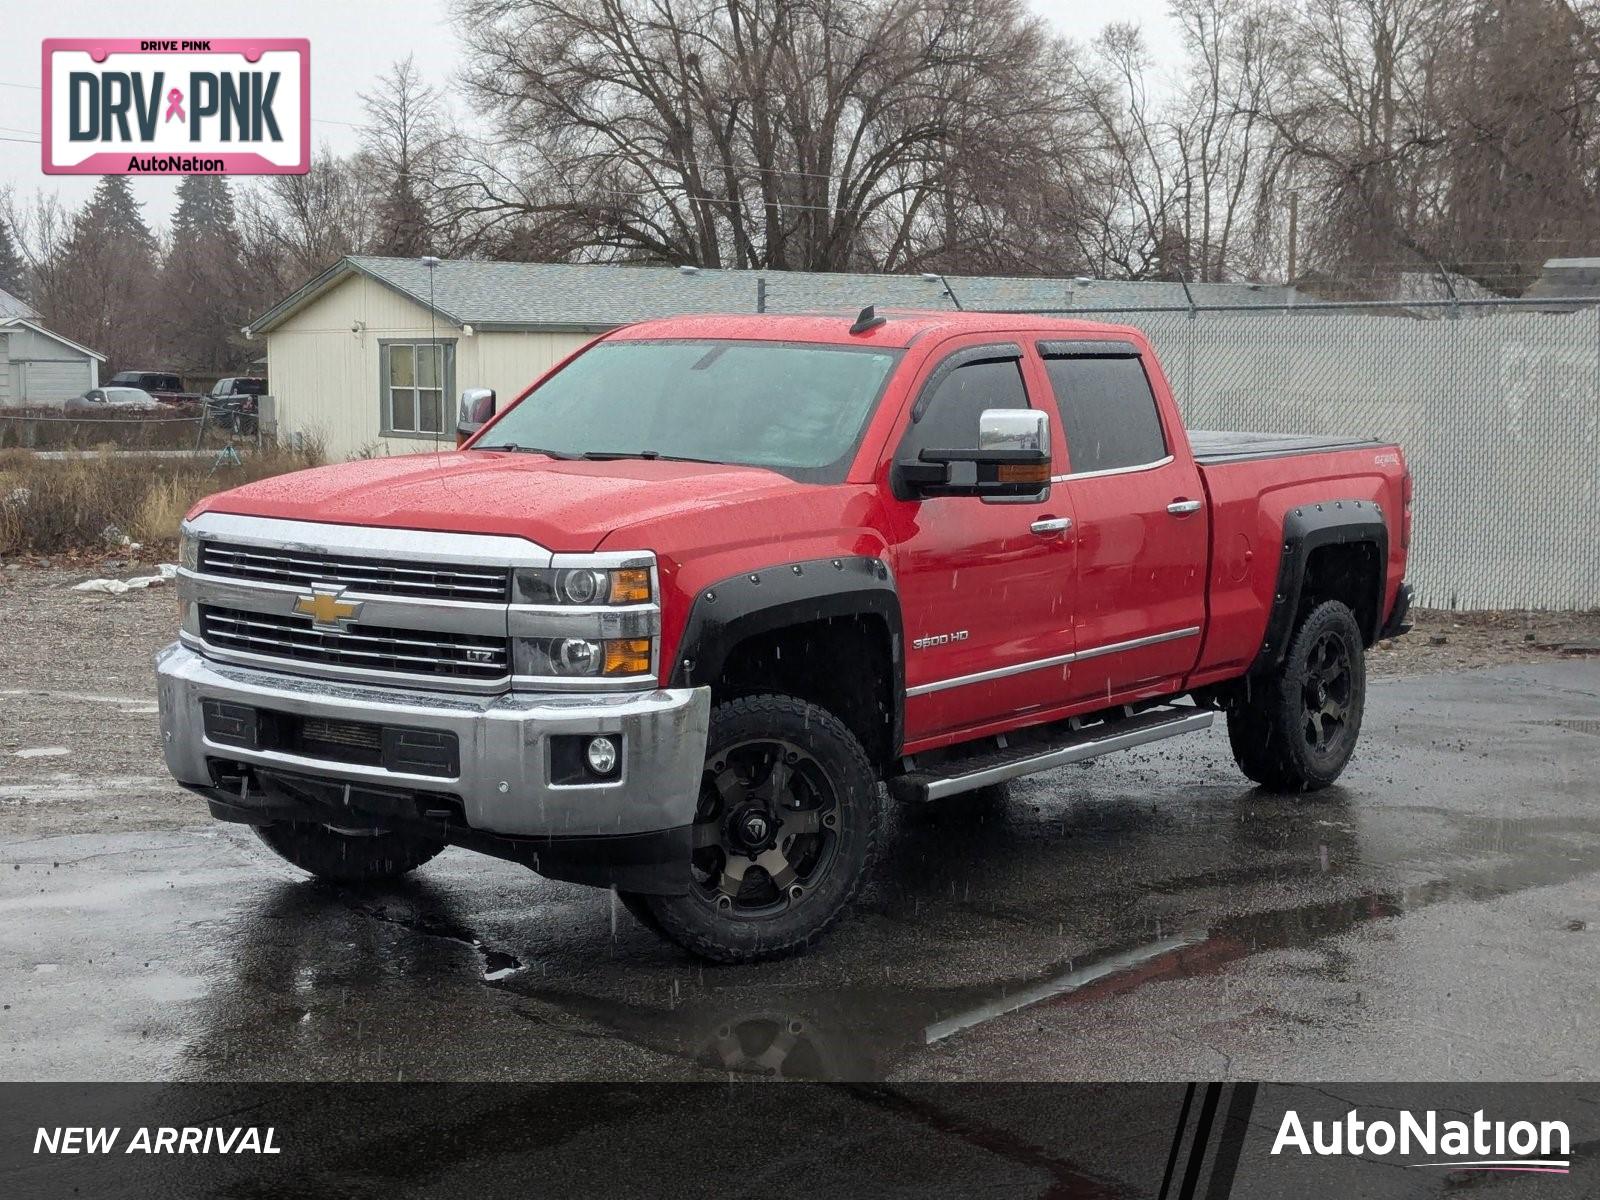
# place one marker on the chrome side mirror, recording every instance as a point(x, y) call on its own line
point(1010, 463)
point(1015, 429)
point(477, 408)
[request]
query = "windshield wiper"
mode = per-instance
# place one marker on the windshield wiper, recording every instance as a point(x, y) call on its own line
point(648, 455)
point(516, 449)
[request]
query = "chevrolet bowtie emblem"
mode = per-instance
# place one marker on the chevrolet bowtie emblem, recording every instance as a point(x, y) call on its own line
point(326, 609)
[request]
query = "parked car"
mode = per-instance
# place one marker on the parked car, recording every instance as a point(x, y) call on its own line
point(234, 399)
point(163, 385)
point(130, 399)
point(668, 622)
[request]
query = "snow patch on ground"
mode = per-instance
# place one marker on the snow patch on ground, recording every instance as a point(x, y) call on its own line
point(140, 706)
point(59, 789)
point(116, 587)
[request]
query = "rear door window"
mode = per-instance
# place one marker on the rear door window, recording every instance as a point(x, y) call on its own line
point(1108, 412)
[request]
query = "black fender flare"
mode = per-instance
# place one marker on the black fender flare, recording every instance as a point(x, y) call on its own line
point(778, 597)
point(1308, 527)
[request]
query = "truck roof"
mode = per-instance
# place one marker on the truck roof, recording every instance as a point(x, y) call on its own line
point(901, 328)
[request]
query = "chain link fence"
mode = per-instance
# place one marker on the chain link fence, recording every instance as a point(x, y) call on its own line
point(1497, 407)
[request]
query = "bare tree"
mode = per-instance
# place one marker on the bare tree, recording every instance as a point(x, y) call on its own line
point(403, 147)
point(1521, 98)
point(813, 134)
point(295, 225)
point(1225, 147)
point(40, 225)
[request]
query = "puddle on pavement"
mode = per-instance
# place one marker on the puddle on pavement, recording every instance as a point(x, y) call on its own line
point(496, 965)
point(857, 1033)
point(1288, 874)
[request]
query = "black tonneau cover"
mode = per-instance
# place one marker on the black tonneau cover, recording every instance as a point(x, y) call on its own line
point(1213, 447)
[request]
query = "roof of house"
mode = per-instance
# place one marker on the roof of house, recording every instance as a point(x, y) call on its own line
point(1568, 278)
point(24, 323)
point(899, 328)
point(13, 306)
point(586, 297)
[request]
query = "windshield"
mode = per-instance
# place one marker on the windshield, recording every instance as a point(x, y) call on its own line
point(798, 409)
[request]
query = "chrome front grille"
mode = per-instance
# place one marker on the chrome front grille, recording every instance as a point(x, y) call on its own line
point(458, 656)
point(372, 576)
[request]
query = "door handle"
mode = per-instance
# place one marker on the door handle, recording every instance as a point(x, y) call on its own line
point(1180, 508)
point(1052, 525)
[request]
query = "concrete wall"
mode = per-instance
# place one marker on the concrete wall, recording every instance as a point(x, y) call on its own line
point(322, 365)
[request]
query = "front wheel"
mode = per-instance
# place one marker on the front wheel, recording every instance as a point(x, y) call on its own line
point(785, 832)
point(1297, 731)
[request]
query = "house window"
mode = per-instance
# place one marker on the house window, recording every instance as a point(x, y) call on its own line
point(414, 379)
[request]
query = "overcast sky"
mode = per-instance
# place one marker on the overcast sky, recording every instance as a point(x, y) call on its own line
point(352, 41)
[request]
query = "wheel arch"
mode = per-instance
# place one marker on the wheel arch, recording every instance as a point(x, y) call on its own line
point(824, 613)
point(1333, 550)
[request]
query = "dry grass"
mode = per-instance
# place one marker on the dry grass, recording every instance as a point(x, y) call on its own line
point(88, 504)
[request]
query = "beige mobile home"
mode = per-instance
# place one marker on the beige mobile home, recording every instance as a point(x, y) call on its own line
point(357, 359)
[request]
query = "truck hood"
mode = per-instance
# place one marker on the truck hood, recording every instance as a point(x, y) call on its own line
point(563, 505)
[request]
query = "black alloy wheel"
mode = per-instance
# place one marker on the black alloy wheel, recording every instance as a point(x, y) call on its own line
point(766, 827)
point(785, 832)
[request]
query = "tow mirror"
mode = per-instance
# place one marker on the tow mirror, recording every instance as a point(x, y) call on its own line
point(477, 407)
point(1011, 461)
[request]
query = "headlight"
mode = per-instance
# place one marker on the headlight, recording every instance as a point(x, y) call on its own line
point(188, 551)
point(578, 658)
point(583, 585)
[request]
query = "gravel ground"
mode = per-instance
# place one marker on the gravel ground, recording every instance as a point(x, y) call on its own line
point(77, 700)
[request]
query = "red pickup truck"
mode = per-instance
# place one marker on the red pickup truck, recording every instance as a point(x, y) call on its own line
point(668, 621)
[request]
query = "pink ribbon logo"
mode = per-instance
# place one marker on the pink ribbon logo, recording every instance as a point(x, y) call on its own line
point(175, 105)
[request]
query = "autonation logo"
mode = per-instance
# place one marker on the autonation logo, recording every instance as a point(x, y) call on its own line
point(1476, 1145)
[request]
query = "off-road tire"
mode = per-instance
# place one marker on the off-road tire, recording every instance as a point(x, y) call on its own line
point(348, 858)
point(1269, 730)
point(730, 935)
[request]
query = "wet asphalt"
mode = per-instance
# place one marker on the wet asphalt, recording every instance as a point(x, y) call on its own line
point(1148, 916)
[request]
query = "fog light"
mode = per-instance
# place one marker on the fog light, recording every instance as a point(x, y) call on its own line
point(601, 752)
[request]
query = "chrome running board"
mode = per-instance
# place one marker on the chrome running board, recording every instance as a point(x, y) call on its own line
point(996, 765)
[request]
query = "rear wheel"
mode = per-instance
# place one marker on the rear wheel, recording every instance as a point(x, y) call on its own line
point(1297, 731)
point(355, 856)
point(785, 832)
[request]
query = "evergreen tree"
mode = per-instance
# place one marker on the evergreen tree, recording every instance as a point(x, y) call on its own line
point(11, 270)
point(108, 299)
point(201, 283)
point(113, 213)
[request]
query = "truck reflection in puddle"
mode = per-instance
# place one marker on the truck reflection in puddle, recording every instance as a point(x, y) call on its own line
point(409, 979)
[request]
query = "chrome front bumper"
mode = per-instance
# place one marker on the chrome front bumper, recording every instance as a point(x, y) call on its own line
point(503, 784)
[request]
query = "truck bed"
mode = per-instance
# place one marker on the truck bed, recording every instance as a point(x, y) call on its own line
point(1213, 447)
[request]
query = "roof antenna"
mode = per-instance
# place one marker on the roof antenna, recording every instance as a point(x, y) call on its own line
point(868, 319)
